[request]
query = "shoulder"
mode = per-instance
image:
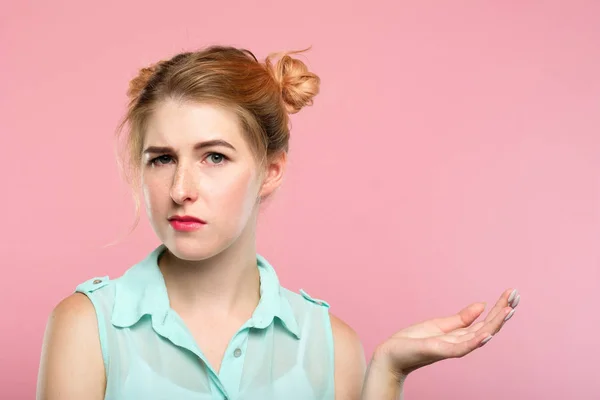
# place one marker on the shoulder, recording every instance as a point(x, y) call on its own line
point(344, 334)
point(71, 317)
point(349, 357)
point(350, 363)
point(71, 363)
point(77, 313)
point(73, 321)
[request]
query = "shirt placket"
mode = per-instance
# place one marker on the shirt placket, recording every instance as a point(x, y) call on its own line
point(173, 329)
point(232, 365)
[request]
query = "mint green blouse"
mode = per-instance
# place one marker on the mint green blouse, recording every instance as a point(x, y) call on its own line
point(284, 351)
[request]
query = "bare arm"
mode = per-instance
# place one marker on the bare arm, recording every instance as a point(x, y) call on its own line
point(71, 365)
point(381, 384)
point(350, 363)
point(432, 341)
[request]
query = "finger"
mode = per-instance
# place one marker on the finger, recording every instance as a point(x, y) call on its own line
point(473, 328)
point(467, 346)
point(462, 319)
point(458, 339)
point(506, 297)
point(465, 334)
point(515, 302)
point(462, 348)
point(492, 327)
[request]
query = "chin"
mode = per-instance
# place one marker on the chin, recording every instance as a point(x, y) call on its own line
point(190, 248)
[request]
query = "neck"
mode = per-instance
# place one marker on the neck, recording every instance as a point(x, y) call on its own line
point(227, 284)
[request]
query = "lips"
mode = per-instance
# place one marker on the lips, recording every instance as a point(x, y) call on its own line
point(186, 223)
point(186, 218)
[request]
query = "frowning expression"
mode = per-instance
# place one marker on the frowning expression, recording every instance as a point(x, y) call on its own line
point(200, 178)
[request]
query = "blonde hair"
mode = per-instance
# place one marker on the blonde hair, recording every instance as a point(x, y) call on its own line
point(261, 94)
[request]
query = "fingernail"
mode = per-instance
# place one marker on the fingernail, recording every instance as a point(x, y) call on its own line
point(515, 302)
point(487, 339)
point(512, 295)
point(509, 315)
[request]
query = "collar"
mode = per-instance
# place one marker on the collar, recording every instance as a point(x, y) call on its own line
point(142, 291)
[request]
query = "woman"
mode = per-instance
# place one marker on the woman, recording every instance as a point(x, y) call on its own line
point(203, 316)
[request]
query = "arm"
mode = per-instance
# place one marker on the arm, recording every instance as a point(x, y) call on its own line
point(71, 365)
point(412, 348)
point(382, 384)
point(350, 368)
point(349, 361)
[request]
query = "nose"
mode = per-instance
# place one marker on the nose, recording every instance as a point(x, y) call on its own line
point(184, 188)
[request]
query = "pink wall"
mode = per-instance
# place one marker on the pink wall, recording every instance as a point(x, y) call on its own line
point(452, 153)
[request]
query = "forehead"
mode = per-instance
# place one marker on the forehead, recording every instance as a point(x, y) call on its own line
point(180, 124)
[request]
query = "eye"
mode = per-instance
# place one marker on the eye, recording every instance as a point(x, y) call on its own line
point(216, 158)
point(161, 160)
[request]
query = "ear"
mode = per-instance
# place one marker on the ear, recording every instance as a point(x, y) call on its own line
point(273, 174)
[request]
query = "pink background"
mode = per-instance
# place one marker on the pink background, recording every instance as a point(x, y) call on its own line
point(452, 153)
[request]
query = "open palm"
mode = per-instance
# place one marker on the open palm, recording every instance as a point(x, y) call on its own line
point(448, 337)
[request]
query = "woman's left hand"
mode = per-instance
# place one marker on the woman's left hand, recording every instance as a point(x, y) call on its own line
point(441, 338)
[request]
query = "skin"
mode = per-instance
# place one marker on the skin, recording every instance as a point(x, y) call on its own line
point(197, 162)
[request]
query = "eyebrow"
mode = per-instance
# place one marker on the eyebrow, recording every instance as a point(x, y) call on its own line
point(197, 146)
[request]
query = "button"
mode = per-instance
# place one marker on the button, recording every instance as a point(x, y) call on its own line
point(97, 281)
point(237, 352)
point(313, 300)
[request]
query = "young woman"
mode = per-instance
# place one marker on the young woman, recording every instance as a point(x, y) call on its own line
point(203, 316)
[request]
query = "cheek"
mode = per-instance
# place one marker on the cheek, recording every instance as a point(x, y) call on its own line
point(156, 189)
point(235, 192)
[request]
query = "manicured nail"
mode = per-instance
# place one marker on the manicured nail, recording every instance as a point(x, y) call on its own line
point(515, 302)
point(512, 296)
point(509, 315)
point(487, 339)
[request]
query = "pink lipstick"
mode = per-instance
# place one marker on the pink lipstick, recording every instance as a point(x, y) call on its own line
point(186, 223)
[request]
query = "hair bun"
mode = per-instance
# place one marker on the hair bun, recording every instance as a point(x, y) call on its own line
point(298, 85)
point(139, 83)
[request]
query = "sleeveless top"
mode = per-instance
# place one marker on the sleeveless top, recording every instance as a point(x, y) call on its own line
point(284, 351)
